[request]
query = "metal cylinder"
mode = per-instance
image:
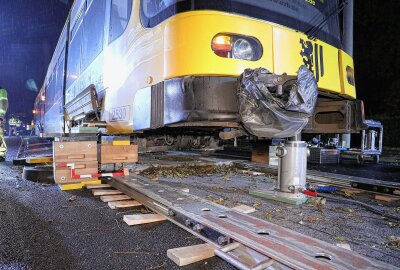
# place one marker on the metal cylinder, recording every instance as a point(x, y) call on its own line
point(346, 140)
point(371, 136)
point(292, 166)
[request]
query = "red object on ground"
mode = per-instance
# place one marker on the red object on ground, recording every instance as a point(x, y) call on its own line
point(310, 193)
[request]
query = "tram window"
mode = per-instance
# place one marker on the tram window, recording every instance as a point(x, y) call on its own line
point(299, 15)
point(93, 31)
point(153, 7)
point(120, 13)
point(60, 77)
point(50, 91)
point(74, 53)
point(155, 11)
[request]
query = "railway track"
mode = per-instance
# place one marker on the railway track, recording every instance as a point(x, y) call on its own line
point(242, 240)
point(331, 179)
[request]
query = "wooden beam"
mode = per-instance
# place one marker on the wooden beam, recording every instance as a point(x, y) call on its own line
point(113, 198)
point(39, 160)
point(100, 192)
point(142, 218)
point(98, 186)
point(350, 192)
point(123, 204)
point(386, 198)
point(244, 209)
point(191, 254)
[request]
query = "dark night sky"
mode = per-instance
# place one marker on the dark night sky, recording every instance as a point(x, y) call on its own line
point(29, 31)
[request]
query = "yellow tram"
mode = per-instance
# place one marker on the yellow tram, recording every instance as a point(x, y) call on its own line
point(157, 65)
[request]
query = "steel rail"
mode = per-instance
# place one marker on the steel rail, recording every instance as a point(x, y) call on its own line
point(244, 241)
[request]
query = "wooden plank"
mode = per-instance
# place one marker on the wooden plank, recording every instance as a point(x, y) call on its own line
point(123, 204)
point(100, 192)
point(113, 198)
point(260, 154)
point(78, 185)
point(386, 198)
point(244, 209)
point(98, 186)
point(39, 160)
point(191, 254)
point(118, 153)
point(142, 219)
point(72, 152)
point(350, 192)
point(344, 245)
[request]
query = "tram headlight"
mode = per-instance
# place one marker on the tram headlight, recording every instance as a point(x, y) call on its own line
point(242, 49)
point(238, 47)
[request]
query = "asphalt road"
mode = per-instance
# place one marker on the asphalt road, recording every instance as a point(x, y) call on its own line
point(41, 229)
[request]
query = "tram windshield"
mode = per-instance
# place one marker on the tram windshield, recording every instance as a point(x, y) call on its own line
point(318, 17)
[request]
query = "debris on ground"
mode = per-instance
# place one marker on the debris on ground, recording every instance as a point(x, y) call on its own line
point(339, 238)
point(393, 243)
point(185, 171)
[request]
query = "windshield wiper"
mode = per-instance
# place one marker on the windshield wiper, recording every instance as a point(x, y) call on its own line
point(313, 32)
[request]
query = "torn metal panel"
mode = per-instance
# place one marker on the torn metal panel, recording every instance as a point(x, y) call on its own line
point(276, 106)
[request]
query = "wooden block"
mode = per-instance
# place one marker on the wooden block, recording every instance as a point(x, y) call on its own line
point(100, 192)
point(63, 174)
point(98, 186)
point(386, 198)
point(113, 198)
point(187, 255)
point(142, 219)
point(244, 209)
point(260, 154)
point(343, 245)
point(39, 160)
point(75, 151)
point(118, 153)
point(123, 204)
point(350, 192)
point(78, 185)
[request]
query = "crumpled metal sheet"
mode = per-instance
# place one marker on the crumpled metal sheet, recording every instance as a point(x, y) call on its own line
point(265, 112)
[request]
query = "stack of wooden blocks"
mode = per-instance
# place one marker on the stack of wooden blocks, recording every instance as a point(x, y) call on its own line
point(83, 154)
point(117, 150)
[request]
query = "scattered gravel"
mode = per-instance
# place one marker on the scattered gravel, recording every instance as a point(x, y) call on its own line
point(40, 228)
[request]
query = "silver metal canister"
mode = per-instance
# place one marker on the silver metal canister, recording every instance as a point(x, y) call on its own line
point(292, 166)
point(370, 142)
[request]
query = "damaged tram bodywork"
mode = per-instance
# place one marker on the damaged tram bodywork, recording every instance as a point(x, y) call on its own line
point(169, 67)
